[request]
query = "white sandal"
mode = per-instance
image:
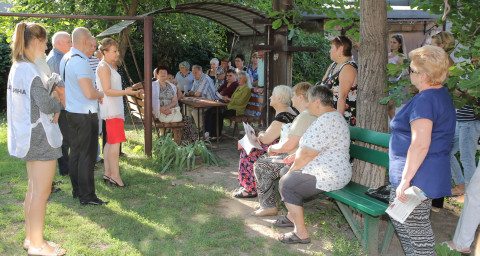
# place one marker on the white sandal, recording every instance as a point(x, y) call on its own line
point(36, 251)
point(26, 244)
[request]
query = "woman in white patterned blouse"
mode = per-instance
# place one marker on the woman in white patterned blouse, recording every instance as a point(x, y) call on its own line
point(321, 163)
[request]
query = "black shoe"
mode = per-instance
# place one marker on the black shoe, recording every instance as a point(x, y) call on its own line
point(95, 201)
point(74, 194)
point(114, 183)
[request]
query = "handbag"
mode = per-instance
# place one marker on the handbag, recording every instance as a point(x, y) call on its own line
point(175, 116)
point(382, 193)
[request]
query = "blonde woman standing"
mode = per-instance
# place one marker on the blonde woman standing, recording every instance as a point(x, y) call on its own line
point(111, 110)
point(33, 133)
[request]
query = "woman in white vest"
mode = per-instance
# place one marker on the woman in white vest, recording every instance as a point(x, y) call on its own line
point(109, 81)
point(33, 133)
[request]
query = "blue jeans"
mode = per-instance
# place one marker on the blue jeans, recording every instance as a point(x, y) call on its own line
point(465, 140)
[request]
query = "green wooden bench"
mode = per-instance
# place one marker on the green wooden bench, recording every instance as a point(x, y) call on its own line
point(353, 197)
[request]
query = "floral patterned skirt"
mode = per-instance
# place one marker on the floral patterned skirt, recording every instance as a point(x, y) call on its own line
point(246, 175)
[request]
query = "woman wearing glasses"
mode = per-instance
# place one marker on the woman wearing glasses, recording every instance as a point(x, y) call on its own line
point(342, 78)
point(420, 143)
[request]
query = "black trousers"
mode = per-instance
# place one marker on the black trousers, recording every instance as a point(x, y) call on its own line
point(83, 153)
point(211, 120)
point(63, 168)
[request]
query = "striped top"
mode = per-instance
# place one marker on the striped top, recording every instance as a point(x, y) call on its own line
point(466, 113)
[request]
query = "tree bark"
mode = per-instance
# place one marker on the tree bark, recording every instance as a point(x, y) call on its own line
point(372, 62)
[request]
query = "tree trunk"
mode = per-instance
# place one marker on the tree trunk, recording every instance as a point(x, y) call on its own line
point(372, 62)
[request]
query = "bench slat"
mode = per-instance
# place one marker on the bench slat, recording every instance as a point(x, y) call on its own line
point(369, 155)
point(369, 136)
point(354, 195)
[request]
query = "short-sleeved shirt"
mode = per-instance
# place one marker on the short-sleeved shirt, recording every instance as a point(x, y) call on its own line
point(433, 176)
point(299, 126)
point(253, 72)
point(330, 137)
point(184, 83)
point(53, 60)
point(76, 68)
point(260, 72)
point(205, 86)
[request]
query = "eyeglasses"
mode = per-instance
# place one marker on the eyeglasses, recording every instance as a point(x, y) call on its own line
point(410, 70)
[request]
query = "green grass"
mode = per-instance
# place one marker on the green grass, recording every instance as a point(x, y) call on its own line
point(151, 217)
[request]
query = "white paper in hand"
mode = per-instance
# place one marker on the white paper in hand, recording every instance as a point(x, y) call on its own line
point(400, 211)
point(249, 141)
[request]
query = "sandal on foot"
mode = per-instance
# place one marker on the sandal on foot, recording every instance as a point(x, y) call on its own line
point(38, 251)
point(239, 193)
point(26, 244)
point(283, 222)
point(452, 247)
point(292, 238)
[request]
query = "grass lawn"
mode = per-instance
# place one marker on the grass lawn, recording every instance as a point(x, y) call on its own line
point(151, 217)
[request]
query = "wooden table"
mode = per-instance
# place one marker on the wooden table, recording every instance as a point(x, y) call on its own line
point(202, 103)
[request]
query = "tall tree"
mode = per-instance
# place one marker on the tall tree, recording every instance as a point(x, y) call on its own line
point(371, 82)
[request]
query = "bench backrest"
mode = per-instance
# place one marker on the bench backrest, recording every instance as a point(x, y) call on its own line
point(136, 106)
point(371, 137)
point(254, 101)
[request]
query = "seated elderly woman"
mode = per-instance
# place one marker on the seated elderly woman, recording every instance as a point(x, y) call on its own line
point(237, 102)
point(321, 163)
point(164, 97)
point(280, 101)
point(267, 169)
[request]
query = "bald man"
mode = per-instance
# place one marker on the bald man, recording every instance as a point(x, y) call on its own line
point(81, 100)
point(62, 43)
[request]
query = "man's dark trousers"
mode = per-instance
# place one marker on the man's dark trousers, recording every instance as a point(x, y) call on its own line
point(83, 153)
point(63, 168)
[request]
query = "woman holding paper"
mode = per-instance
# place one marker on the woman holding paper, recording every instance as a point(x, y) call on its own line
point(280, 101)
point(267, 168)
point(322, 163)
point(421, 139)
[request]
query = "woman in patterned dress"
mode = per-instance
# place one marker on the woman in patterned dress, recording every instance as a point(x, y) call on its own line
point(321, 163)
point(280, 101)
point(342, 77)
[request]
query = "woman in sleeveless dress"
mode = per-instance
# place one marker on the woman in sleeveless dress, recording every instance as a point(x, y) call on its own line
point(284, 114)
point(342, 78)
point(397, 47)
point(109, 81)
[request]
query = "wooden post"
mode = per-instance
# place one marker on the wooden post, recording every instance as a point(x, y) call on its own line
point(147, 41)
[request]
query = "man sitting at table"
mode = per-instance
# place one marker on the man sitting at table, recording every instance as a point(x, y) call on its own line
point(202, 87)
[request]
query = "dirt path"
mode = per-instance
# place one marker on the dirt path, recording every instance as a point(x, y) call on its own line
point(443, 223)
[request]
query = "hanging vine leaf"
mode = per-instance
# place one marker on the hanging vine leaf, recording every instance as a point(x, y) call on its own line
point(277, 23)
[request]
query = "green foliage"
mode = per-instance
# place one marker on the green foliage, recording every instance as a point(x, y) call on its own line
point(308, 66)
point(4, 69)
point(443, 250)
point(465, 18)
point(401, 89)
point(170, 156)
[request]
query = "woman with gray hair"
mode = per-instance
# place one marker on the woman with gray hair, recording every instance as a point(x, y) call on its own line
point(184, 78)
point(321, 163)
point(280, 101)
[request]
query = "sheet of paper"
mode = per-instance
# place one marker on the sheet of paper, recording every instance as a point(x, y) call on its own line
point(400, 211)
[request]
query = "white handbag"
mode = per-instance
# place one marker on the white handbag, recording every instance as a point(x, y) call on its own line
point(175, 116)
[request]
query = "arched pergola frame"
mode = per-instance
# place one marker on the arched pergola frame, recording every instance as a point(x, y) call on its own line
point(240, 19)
